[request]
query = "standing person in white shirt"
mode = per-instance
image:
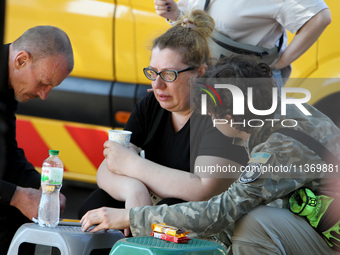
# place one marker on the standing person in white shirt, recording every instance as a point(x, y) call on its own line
point(261, 23)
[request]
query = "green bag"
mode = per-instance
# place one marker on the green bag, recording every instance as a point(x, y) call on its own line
point(320, 212)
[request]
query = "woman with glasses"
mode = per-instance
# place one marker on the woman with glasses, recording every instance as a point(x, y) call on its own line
point(176, 141)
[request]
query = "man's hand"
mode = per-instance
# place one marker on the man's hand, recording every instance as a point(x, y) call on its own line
point(62, 200)
point(27, 201)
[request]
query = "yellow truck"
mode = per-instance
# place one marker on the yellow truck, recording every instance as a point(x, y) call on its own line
point(111, 41)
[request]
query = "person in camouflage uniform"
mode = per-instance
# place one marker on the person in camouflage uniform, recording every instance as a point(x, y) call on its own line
point(252, 216)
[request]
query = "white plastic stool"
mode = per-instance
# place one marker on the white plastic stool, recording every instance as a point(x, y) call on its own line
point(70, 240)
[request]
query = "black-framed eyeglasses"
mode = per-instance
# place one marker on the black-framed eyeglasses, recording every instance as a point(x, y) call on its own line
point(166, 75)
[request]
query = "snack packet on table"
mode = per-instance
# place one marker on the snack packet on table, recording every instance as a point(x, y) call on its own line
point(169, 233)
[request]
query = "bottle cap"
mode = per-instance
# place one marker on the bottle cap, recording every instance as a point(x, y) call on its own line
point(53, 152)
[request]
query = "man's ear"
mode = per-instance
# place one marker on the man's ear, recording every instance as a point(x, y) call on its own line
point(21, 59)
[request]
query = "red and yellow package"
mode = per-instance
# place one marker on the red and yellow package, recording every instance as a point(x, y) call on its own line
point(169, 233)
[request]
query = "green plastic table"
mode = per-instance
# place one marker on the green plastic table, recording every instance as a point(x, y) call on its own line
point(150, 246)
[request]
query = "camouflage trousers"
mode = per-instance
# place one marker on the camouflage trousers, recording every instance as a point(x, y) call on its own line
point(269, 230)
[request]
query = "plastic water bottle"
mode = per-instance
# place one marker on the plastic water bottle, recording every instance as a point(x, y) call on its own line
point(51, 182)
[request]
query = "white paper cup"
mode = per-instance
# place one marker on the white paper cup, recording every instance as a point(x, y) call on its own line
point(120, 136)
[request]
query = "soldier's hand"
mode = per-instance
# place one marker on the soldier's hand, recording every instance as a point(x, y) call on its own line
point(105, 218)
point(27, 201)
point(167, 9)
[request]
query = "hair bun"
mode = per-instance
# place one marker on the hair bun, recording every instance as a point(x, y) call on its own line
point(199, 21)
point(188, 23)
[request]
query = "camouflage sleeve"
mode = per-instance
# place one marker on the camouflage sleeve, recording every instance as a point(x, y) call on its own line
point(220, 213)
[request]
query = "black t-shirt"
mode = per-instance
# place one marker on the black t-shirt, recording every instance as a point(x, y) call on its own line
point(179, 149)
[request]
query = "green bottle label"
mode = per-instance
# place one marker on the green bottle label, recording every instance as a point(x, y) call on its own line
point(52, 175)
